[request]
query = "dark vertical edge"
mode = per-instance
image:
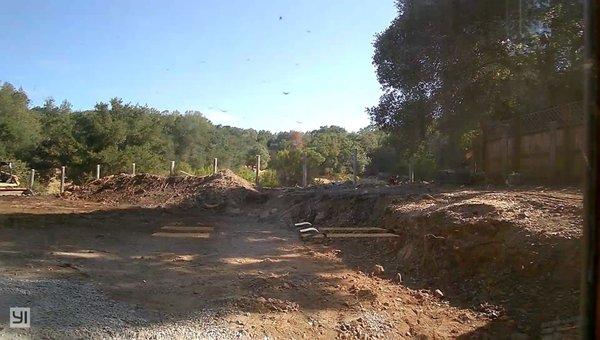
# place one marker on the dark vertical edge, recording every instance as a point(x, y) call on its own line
point(589, 305)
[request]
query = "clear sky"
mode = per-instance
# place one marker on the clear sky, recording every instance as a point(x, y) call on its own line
point(213, 56)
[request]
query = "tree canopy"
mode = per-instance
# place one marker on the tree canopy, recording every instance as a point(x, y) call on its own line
point(117, 134)
point(446, 66)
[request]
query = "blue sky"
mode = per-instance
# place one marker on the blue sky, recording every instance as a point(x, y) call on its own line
point(212, 56)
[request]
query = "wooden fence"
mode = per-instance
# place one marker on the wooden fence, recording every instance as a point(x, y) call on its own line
point(541, 146)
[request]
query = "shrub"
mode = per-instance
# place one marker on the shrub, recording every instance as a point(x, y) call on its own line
point(246, 173)
point(269, 179)
point(424, 163)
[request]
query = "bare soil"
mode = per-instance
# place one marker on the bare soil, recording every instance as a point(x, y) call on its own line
point(257, 276)
point(513, 254)
point(474, 263)
point(223, 189)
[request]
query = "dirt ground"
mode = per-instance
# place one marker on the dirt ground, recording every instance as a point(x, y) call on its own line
point(246, 274)
point(513, 254)
point(257, 276)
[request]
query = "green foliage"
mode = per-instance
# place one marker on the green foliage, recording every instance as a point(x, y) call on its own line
point(20, 169)
point(335, 146)
point(468, 138)
point(447, 66)
point(202, 171)
point(329, 151)
point(424, 163)
point(58, 145)
point(288, 163)
point(269, 179)
point(19, 127)
point(117, 134)
point(246, 173)
point(387, 157)
point(258, 149)
point(191, 134)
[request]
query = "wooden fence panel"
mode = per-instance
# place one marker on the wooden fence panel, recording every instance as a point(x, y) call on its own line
point(544, 145)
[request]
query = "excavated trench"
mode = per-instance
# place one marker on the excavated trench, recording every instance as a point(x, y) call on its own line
point(516, 260)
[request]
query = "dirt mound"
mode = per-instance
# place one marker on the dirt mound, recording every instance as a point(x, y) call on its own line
point(138, 189)
point(500, 248)
point(224, 188)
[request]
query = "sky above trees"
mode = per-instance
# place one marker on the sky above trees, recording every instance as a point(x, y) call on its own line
point(231, 60)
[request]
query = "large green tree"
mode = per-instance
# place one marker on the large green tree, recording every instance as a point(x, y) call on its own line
point(448, 65)
point(19, 126)
point(58, 145)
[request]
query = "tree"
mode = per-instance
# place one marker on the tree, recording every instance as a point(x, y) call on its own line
point(288, 163)
point(19, 126)
point(116, 134)
point(119, 134)
point(191, 136)
point(448, 65)
point(258, 149)
point(58, 145)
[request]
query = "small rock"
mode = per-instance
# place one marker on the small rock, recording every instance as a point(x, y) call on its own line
point(378, 269)
point(439, 293)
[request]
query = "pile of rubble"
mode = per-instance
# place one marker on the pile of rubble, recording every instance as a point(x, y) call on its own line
point(368, 326)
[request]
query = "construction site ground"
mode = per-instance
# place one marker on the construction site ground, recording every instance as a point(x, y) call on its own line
point(472, 263)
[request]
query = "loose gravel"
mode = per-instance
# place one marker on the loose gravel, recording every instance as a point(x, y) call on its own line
point(77, 309)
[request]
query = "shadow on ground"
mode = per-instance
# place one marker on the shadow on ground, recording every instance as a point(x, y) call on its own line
point(242, 267)
point(239, 265)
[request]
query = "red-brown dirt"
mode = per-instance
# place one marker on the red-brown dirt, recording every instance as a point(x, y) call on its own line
point(479, 262)
point(511, 254)
point(250, 279)
point(224, 188)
